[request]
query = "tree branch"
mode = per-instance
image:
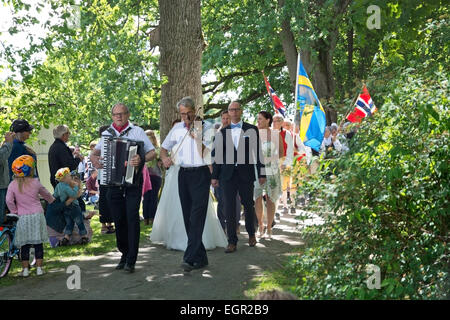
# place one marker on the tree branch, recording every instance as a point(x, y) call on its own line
point(223, 106)
point(230, 76)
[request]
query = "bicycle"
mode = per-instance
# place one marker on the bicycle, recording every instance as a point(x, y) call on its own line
point(7, 248)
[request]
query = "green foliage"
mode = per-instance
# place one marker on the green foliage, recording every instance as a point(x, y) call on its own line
point(390, 193)
point(87, 69)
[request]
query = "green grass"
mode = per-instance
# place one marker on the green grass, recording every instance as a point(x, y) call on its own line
point(60, 258)
point(280, 279)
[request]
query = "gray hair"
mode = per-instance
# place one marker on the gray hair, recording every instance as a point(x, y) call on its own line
point(333, 127)
point(237, 102)
point(277, 115)
point(120, 104)
point(188, 102)
point(59, 131)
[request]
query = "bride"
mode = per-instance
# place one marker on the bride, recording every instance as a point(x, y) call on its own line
point(168, 227)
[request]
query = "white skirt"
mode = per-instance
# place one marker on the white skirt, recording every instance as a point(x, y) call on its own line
point(31, 229)
point(168, 226)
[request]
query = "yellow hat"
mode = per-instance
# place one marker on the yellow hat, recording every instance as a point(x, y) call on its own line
point(61, 173)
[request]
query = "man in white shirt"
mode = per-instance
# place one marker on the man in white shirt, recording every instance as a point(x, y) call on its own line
point(124, 201)
point(194, 180)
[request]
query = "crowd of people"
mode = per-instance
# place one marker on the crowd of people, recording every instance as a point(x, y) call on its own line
point(250, 167)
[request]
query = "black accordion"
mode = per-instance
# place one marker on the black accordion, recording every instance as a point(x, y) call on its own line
point(117, 153)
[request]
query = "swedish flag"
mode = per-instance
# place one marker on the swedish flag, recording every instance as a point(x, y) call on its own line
point(312, 115)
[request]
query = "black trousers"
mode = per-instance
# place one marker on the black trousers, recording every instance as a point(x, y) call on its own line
point(103, 207)
point(193, 189)
point(218, 193)
point(150, 201)
point(124, 206)
point(246, 189)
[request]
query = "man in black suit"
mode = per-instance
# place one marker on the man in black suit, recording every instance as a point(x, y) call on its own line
point(236, 152)
point(59, 154)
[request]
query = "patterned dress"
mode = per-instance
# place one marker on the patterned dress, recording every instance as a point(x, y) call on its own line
point(272, 187)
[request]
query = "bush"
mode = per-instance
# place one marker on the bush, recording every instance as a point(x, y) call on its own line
point(390, 201)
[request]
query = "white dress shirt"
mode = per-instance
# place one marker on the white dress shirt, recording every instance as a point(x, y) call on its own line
point(236, 134)
point(187, 151)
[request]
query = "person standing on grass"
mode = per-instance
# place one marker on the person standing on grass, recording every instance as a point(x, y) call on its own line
point(22, 130)
point(22, 199)
point(150, 198)
point(5, 151)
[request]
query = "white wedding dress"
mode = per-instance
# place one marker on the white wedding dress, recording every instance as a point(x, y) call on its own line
point(168, 225)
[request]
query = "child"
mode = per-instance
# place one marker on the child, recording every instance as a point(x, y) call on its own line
point(68, 190)
point(22, 199)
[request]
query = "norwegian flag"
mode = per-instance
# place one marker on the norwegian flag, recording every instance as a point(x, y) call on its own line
point(276, 102)
point(364, 107)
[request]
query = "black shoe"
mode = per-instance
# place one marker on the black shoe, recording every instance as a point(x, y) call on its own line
point(187, 267)
point(63, 242)
point(129, 267)
point(121, 265)
point(198, 265)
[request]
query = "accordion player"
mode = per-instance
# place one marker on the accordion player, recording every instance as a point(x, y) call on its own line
point(117, 153)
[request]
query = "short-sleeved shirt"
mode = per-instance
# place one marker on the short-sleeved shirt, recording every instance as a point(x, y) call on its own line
point(187, 153)
point(135, 133)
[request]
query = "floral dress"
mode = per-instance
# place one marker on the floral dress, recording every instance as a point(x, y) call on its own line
point(272, 187)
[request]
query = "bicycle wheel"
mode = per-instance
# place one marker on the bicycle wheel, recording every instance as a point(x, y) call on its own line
point(5, 247)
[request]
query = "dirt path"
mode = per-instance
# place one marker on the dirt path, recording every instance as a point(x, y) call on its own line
point(158, 273)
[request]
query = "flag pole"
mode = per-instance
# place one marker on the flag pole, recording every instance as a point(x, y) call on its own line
point(296, 93)
point(296, 80)
point(268, 92)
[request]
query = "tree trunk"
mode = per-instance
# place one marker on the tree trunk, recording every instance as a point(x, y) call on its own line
point(181, 47)
point(288, 43)
point(350, 78)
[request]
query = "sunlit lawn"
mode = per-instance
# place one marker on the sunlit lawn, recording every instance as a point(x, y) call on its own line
point(60, 258)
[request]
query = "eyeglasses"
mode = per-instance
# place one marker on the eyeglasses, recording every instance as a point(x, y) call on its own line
point(234, 110)
point(186, 114)
point(120, 114)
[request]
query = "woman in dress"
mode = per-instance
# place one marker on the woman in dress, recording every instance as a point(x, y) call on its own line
point(168, 226)
point(272, 148)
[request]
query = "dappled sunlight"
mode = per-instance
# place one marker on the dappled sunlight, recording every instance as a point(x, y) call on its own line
point(206, 274)
point(104, 275)
point(150, 278)
point(287, 240)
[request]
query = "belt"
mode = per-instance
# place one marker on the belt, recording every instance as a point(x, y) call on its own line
point(192, 168)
